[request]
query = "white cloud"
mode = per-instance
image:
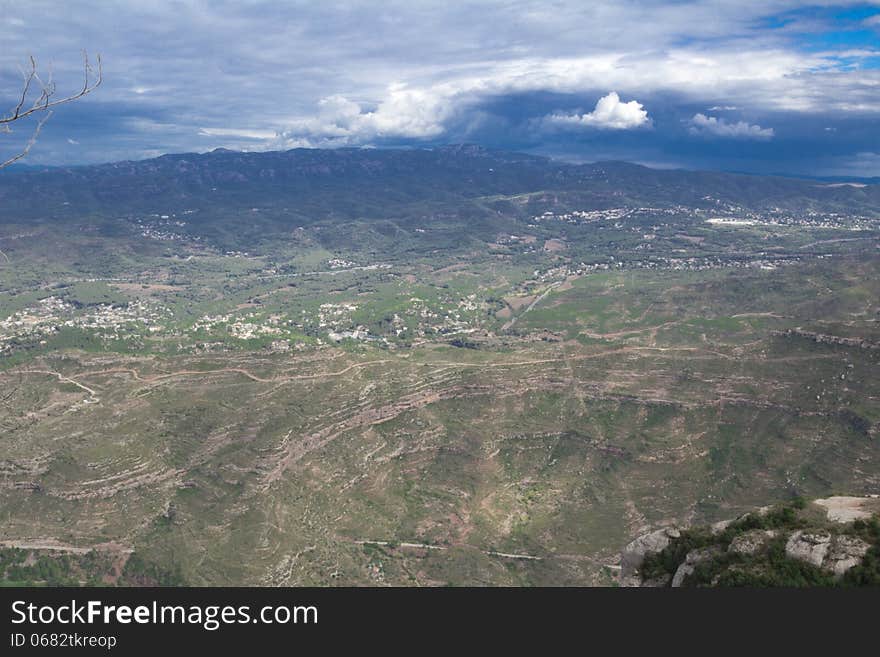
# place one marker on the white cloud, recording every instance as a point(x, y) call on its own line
point(701, 124)
point(242, 133)
point(402, 113)
point(423, 113)
point(609, 114)
point(146, 124)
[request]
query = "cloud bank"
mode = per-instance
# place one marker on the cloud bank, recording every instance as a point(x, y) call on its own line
point(193, 75)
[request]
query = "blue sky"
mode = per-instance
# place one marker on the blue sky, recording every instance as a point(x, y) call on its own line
point(770, 86)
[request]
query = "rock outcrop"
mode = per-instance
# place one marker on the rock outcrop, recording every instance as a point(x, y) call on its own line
point(752, 541)
point(690, 563)
point(844, 508)
point(844, 553)
point(634, 554)
point(835, 553)
point(808, 547)
point(753, 548)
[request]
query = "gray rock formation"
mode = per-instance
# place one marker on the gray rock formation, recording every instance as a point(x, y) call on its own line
point(845, 508)
point(809, 547)
point(690, 563)
point(634, 554)
point(845, 552)
point(819, 543)
point(719, 527)
point(751, 541)
point(835, 553)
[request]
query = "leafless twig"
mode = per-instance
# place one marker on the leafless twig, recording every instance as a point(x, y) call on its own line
point(39, 96)
point(30, 143)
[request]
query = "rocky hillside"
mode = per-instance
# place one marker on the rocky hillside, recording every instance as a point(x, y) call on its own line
point(828, 542)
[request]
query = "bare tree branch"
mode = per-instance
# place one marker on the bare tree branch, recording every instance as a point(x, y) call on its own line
point(29, 145)
point(45, 100)
point(47, 90)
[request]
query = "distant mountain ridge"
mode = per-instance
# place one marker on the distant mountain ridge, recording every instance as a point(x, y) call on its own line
point(365, 183)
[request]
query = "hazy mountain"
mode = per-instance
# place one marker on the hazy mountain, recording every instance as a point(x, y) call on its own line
point(373, 183)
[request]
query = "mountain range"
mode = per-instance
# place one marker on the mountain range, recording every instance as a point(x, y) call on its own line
point(372, 183)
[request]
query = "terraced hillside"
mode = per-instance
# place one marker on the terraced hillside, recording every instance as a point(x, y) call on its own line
point(401, 400)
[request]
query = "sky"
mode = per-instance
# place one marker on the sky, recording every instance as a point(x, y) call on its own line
point(775, 86)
